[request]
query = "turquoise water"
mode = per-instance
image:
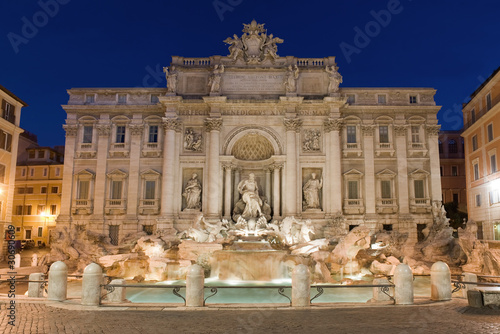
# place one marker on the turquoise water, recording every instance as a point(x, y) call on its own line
point(264, 295)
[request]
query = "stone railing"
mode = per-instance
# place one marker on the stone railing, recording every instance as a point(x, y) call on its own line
point(196, 61)
point(311, 62)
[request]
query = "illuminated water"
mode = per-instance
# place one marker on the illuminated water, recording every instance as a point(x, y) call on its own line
point(421, 288)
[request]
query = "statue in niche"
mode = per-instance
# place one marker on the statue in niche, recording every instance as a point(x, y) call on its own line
point(335, 79)
point(171, 77)
point(192, 140)
point(291, 77)
point(250, 196)
point(192, 193)
point(311, 141)
point(215, 79)
point(311, 192)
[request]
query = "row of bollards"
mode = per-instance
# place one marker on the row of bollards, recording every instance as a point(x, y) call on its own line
point(301, 285)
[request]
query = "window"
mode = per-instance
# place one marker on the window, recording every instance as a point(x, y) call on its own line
point(385, 186)
point(122, 98)
point(155, 98)
point(53, 209)
point(454, 170)
point(40, 232)
point(452, 146)
point(19, 210)
point(113, 234)
point(413, 99)
point(153, 134)
point(58, 171)
point(455, 198)
point(51, 155)
point(351, 98)
point(41, 209)
point(20, 190)
point(440, 144)
point(478, 200)
point(87, 134)
point(29, 190)
point(43, 190)
point(488, 101)
point(381, 99)
point(27, 210)
point(441, 170)
point(41, 154)
point(415, 134)
point(2, 173)
point(54, 190)
point(89, 98)
point(494, 196)
point(27, 234)
point(387, 227)
point(31, 154)
point(353, 190)
point(476, 171)
point(116, 189)
point(490, 132)
point(351, 134)
point(493, 163)
point(419, 188)
point(474, 142)
point(383, 132)
point(83, 189)
point(473, 115)
point(148, 229)
point(120, 134)
point(8, 111)
point(23, 172)
point(5, 141)
point(150, 189)
point(45, 172)
point(32, 172)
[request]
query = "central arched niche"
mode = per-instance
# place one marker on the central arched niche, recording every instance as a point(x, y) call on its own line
point(252, 147)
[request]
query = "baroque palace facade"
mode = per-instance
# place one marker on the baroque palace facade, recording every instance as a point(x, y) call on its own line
point(153, 159)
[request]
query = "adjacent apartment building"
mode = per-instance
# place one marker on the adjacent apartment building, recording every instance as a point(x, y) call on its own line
point(482, 146)
point(10, 116)
point(452, 169)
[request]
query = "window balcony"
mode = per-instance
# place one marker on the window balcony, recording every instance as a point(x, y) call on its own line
point(415, 149)
point(151, 150)
point(387, 205)
point(420, 205)
point(353, 206)
point(352, 149)
point(82, 207)
point(384, 149)
point(116, 206)
point(119, 150)
point(86, 151)
point(149, 206)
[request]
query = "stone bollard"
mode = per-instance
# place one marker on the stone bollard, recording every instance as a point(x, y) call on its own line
point(35, 289)
point(440, 281)
point(195, 284)
point(301, 286)
point(403, 281)
point(468, 277)
point(58, 281)
point(378, 295)
point(17, 260)
point(91, 285)
point(118, 294)
point(34, 260)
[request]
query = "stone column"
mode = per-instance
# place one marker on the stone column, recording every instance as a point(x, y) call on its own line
point(276, 191)
point(370, 185)
point(433, 147)
point(103, 132)
point(170, 125)
point(133, 174)
point(69, 154)
point(403, 196)
point(236, 194)
point(268, 184)
point(292, 126)
point(228, 190)
point(58, 282)
point(333, 126)
point(213, 126)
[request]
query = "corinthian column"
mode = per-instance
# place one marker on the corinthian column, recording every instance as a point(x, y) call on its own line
point(368, 150)
point(133, 176)
point(334, 166)
point(432, 143)
point(213, 126)
point(103, 131)
point(69, 153)
point(227, 191)
point(292, 126)
point(276, 191)
point(170, 125)
point(403, 201)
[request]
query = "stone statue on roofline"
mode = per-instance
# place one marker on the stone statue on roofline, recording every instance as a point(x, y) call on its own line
point(334, 78)
point(171, 76)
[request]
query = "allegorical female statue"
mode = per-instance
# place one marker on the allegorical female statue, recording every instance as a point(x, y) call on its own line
point(250, 196)
point(192, 193)
point(334, 78)
point(311, 192)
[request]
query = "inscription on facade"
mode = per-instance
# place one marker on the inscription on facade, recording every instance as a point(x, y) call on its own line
point(260, 83)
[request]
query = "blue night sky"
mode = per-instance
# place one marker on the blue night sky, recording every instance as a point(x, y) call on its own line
point(448, 45)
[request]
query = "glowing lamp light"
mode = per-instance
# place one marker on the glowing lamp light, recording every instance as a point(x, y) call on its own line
point(495, 185)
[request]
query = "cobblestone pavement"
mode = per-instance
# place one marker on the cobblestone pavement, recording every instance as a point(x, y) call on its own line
point(451, 317)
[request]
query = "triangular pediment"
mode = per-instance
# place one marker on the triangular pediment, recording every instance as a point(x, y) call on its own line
point(117, 173)
point(386, 172)
point(419, 172)
point(353, 172)
point(150, 172)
